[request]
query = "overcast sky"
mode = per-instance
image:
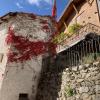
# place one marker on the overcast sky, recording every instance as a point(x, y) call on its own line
point(40, 7)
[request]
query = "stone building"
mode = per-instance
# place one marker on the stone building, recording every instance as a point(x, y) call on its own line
point(23, 41)
point(80, 11)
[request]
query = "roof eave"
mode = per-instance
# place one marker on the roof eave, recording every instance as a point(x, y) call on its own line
point(69, 3)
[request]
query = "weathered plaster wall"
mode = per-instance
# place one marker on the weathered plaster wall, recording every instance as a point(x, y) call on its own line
point(83, 80)
point(3, 54)
point(21, 76)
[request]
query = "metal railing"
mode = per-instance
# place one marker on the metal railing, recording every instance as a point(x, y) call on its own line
point(79, 35)
point(76, 53)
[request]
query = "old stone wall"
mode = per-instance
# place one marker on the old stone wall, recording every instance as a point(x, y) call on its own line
point(76, 83)
point(84, 82)
point(22, 39)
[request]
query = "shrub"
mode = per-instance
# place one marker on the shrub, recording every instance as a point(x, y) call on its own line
point(73, 28)
point(88, 59)
point(60, 37)
point(91, 58)
point(68, 91)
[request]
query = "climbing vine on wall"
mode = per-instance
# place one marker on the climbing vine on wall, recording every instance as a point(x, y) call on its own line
point(22, 49)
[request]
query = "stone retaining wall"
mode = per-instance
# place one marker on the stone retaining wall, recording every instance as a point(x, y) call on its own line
point(84, 81)
point(78, 83)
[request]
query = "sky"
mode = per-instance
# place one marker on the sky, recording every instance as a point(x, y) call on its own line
point(40, 7)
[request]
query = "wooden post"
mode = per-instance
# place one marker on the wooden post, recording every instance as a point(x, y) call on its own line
point(75, 9)
point(65, 24)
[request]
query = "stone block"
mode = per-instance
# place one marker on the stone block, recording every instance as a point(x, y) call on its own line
point(87, 65)
point(77, 97)
point(87, 75)
point(74, 68)
point(89, 98)
point(71, 98)
point(64, 73)
point(67, 69)
point(83, 89)
point(97, 88)
point(93, 69)
point(80, 67)
point(97, 97)
point(78, 85)
point(85, 96)
point(80, 80)
point(93, 97)
point(84, 71)
point(96, 63)
point(97, 82)
point(83, 75)
point(97, 77)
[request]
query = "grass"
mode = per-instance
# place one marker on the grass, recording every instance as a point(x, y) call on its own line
point(91, 58)
point(68, 91)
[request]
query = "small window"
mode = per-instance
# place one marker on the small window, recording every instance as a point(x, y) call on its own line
point(1, 57)
point(23, 96)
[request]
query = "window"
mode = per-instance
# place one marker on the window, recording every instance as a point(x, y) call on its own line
point(23, 96)
point(1, 57)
